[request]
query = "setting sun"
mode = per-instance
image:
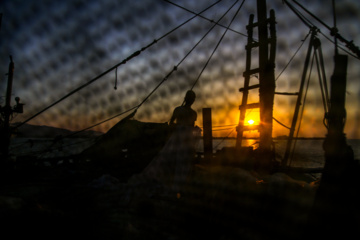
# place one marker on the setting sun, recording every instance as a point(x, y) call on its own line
point(251, 122)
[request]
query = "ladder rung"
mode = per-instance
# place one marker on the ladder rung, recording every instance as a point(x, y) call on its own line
point(252, 45)
point(249, 106)
point(255, 24)
point(256, 44)
point(249, 87)
point(287, 93)
point(251, 72)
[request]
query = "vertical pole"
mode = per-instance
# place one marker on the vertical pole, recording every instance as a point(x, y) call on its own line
point(242, 108)
point(5, 131)
point(207, 138)
point(0, 20)
point(267, 84)
point(298, 101)
point(337, 153)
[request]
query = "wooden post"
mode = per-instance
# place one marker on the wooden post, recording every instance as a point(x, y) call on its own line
point(207, 137)
point(266, 79)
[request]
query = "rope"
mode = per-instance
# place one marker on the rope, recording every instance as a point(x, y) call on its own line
point(333, 31)
point(104, 121)
point(324, 100)
point(281, 123)
point(203, 17)
point(222, 129)
point(302, 43)
point(135, 108)
point(51, 147)
point(324, 78)
point(334, 16)
point(312, 15)
point(114, 67)
point(226, 29)
point(342, 48)
point(302, 110)
point(176, 67)
point(230, 125)
point(223, 139)
point(115, 87)
point(306, 21)
point(217, 45)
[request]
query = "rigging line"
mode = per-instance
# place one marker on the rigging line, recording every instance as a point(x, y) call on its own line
point(334, 15)
point(115, 87)
point(106, 120)
point(157, 86)
point(230, 125)
point(303, 107)
point(342, 48)
point(324, 77)
point(135, 108)
point(217, 45)
point(135, 54)
point(349, 44)
point(203, 17)
point(281, 123)
point(333, 31)
point(223, 139)
point(222, 129)
point(175, 67)
point(220, 126)
point(300, 16)
point(312, 15)
point(321, 83)
point(302, 43)
point(49, 149)
point(196, 15)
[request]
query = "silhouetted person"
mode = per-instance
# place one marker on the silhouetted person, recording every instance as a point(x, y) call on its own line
point(185, 115)
point(173, 164)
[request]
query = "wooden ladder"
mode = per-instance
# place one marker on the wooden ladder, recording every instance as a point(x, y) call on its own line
point(266, 63)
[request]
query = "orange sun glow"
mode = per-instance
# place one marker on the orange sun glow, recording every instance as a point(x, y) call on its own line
point(251, 122)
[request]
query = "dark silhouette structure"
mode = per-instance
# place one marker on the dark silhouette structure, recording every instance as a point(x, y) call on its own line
point(335, 211)
point(6, 113)
point(267, 47)
point(185, 115)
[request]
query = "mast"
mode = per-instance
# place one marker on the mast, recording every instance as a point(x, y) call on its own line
point(6, 112)
point(334, 210)
point(339, 156)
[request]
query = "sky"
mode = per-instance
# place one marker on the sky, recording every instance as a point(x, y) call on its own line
point(60, 45)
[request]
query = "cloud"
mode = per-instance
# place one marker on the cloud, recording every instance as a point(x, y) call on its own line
point(60, 45)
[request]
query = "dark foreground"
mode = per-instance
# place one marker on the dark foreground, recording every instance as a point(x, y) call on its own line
point(216, 203)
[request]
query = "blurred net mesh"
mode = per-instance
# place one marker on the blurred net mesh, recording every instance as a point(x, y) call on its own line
point(57, 46)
